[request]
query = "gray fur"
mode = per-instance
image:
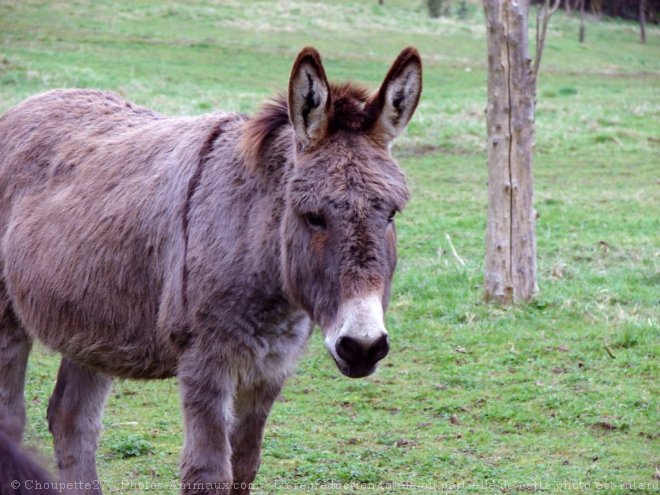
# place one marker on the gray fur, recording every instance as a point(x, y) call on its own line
point(144, 246)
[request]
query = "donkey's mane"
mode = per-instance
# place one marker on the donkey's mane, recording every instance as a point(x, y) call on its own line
point(349, 111)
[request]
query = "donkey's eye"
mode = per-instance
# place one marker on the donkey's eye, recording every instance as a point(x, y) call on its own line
point(390, 219)
point(315, 220)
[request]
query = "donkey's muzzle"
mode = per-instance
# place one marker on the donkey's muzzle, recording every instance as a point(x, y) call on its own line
point(361, 356)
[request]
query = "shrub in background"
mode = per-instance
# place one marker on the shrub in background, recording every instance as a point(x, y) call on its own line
point(462, 11)
point(438, 8)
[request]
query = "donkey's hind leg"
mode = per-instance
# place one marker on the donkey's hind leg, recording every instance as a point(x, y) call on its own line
point(74, 418)
point(14, 351)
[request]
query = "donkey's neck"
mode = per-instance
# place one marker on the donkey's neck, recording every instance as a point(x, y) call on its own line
point(270, 176)
point(233, 253)
point(252, 198)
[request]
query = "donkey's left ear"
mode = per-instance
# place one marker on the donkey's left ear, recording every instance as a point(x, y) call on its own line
point(309, 97)
point(398, 96)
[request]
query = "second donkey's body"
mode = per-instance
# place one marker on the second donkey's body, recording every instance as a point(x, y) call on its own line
point(204, 248)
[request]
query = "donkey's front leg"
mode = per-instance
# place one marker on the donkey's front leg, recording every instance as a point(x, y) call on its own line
point(207, 390)
point(251, 407)
point(74, 418)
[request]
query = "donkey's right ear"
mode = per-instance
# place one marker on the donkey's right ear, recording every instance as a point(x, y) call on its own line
point(309, 97)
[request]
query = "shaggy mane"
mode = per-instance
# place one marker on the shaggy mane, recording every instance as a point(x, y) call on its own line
point(350, 111)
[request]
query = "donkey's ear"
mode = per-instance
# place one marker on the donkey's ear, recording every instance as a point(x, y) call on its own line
point(398, 96)
point(309, 97)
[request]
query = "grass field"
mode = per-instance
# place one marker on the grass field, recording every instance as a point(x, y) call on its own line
point(473, 398)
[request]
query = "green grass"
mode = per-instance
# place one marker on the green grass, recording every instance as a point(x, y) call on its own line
point(474, 398)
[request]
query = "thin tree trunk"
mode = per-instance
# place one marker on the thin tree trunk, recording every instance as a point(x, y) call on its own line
point(567, 7)
point(642, 20)
point(510, 239)
point(582, 21)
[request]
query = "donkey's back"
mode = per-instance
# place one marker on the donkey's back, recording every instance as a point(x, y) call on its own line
point(50, 132)
point(53, 137)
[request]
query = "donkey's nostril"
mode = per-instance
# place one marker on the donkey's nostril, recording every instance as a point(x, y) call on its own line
point(379, 349)
point(356, 353)
point(350, 350)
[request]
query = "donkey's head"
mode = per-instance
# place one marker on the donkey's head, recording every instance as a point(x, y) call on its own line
point(339, 240)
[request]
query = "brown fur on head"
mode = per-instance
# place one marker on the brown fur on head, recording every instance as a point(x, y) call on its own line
point(339, 239)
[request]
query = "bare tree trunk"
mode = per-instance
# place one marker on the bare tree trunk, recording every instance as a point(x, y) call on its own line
point(567, 7)
point(582, 21)
point(642, 20)
point(510, 238)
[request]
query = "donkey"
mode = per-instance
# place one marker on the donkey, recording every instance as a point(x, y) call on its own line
point(206, 248)
point(21, 475)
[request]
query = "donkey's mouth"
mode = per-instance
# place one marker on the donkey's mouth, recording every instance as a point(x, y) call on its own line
point(354, 371)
